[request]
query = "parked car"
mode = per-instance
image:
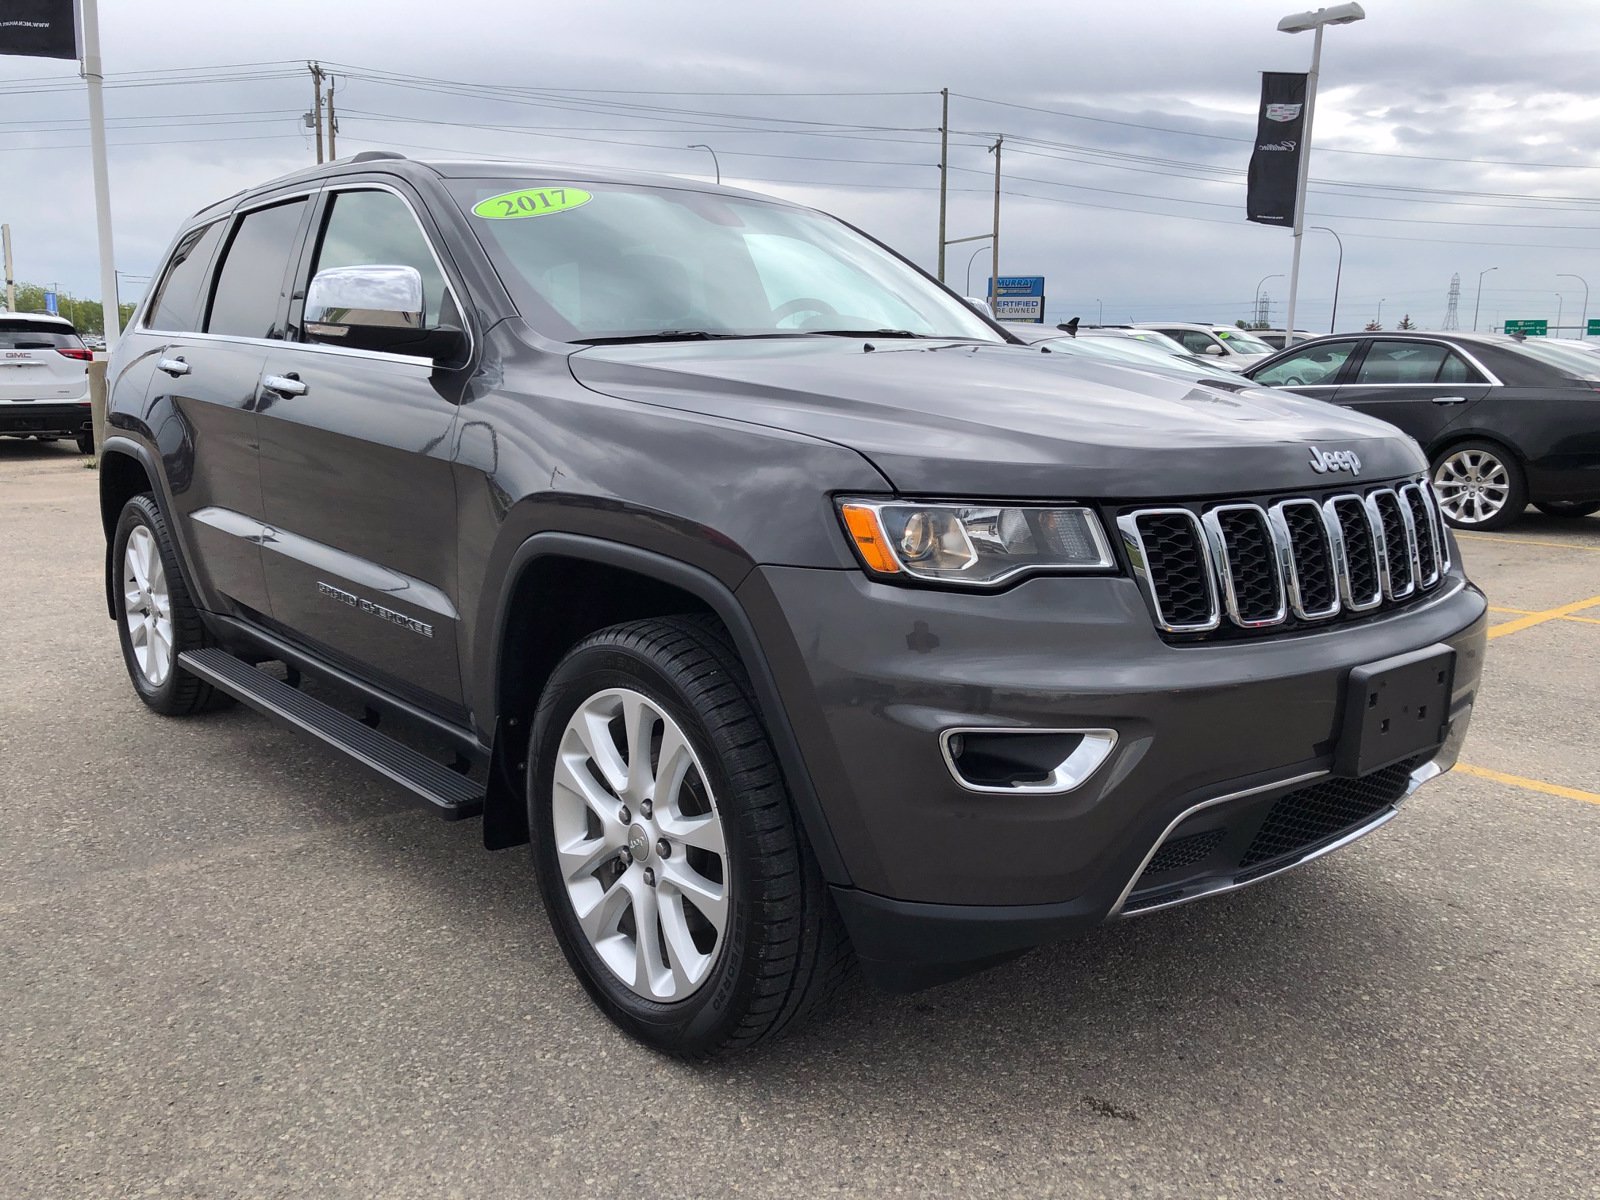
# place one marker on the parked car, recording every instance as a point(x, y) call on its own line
point(1129, 351)
point(796, 615)
point(1231, 346)
point(1277, 337)
point(1504, 422)
point(44, 380)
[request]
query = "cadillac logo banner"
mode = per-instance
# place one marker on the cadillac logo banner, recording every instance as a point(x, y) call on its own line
point(1275, 163)
point(38, 28)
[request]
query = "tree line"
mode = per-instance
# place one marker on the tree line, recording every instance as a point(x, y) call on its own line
point(86, 315)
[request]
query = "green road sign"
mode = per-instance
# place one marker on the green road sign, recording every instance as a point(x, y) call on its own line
point(1594, 328)
point(1533, 328)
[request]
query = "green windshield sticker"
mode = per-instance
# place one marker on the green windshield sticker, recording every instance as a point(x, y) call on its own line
point(530, 202)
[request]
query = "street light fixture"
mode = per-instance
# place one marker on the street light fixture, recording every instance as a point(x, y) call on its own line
point(970, 261)
point(1333, 318)
point(1479, 300)
point(714, 163)
point(1338, 14)
point(1378, 321)
point(1583, 321)
point(1264, 279)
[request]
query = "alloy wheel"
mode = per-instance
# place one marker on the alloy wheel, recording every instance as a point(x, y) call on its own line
point(1472, 485)
point(640, 844)
point(147, 606)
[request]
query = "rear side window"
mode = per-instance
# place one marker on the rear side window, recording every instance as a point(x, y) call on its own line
point(1409, 362)
point(179, 298)
point(249, 291)
point(25, 335)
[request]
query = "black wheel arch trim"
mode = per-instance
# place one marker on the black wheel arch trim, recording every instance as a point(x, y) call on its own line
point(127, 447)
point(720, 598)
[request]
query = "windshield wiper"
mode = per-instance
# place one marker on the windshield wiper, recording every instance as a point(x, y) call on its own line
point(877, 333)
point(661, 335)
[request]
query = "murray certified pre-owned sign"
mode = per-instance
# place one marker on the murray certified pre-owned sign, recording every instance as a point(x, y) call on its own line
point(1018, 298)
point(38, 28)
point(1275, 162)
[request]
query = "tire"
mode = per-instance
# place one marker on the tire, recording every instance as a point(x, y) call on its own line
point(171, 623)
point(692, 990)
point(85, 443)
point(1569, 508)
point(1479, 485)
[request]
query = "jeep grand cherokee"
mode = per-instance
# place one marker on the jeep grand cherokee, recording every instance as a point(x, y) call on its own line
point(798, 615)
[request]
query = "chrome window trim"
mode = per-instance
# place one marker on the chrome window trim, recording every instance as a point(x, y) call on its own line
point(1420, 775)
point(1222, 567)
point(1068, 775)
point(406, 360)
point(1489, 377)
point(1280, 524)
point(1133, 542)
point(1376, 517)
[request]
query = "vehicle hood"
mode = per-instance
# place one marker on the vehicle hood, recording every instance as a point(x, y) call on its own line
point(966, 419)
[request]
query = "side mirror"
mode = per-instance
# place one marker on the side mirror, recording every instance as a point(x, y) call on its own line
point(1214, 350)
point(376, 307)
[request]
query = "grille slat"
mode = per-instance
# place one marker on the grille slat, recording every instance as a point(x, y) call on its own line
point(1250, 566)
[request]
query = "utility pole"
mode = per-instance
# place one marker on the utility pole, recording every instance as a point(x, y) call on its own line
point(93, 76)
point(333, 123)
point(316, 109)
point(944, 173)
point(11, 282)
point(994, 274)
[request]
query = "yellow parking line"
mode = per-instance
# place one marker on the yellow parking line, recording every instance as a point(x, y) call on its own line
point(1521, 612)
point(1528, 612)
point(1532, 785)
point(1496, 537)
point(1517, 624)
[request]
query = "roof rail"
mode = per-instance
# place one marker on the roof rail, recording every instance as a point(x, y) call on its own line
point(376, 156)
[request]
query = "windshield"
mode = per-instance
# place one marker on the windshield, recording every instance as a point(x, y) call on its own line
point(1583, 364)
point(1241, 342)
point(610, 261)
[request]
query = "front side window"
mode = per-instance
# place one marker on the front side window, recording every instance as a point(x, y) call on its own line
point(249, 291)
point(605, 261)
point(374, 228)
point(1310, 367)
point(181, 293)
point(1402, 362)
point(1194, 341)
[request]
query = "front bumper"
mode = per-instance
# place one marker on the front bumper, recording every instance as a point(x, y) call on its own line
point(939, 874)
point(63, 417)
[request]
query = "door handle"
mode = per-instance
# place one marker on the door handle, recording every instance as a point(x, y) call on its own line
point(1449, 399)
point(173, 366)
point(284, 385)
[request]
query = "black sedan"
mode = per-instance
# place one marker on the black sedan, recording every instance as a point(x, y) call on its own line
point(1504, 422)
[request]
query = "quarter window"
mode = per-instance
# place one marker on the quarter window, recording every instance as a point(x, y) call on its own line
point(374, 228)
point(182, 290)
point(1314, 366)
point(249, 292)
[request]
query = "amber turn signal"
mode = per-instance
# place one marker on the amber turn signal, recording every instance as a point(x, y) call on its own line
point(871, 543)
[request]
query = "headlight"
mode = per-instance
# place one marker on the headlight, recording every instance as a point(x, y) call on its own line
point(976, 545)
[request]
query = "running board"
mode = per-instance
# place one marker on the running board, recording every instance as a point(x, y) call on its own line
point(453, 794)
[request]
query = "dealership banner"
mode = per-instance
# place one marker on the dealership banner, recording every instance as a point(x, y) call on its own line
point(39, 28)
point(1275, 163)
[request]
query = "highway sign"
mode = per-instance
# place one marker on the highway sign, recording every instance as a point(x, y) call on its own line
point(1529, 328)
point(1594, 328)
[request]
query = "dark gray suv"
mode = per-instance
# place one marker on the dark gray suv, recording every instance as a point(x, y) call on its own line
point(799, 616)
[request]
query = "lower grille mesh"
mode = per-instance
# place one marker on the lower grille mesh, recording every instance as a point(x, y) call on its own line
point(1311, 815)
point(1185, 851)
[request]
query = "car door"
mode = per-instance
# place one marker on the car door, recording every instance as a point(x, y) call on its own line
point(1420, 385)
point(355, 470)
point(208, 345)
point(1313, 370)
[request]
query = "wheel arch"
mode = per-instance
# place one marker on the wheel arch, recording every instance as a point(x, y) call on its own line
point(1453, 437)
point(538, 621)
point(126, 469)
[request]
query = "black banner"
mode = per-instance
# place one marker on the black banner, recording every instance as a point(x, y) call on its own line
point(38, 28)
point(1275, 162)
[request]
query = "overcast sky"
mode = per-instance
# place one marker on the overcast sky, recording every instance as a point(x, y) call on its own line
point(1128, 196)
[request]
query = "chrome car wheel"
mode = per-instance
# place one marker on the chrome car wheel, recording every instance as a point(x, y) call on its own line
point(640, 844)
point(1472, 485)
point(147, 606)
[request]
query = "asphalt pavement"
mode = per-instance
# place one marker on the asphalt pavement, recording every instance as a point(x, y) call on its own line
point(235, 964)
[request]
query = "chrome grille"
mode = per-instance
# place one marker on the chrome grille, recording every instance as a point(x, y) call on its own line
point(1253, 566)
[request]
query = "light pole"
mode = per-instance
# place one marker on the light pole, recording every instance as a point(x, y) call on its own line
point(1264, 278)
point(714, 163)
point(1100, 310)
point(1583, 321)
point(1559, 300)
point(1338, 14)
point(970, 261)
point(1337, 272)
point(1378, 320)
point(1479, 300)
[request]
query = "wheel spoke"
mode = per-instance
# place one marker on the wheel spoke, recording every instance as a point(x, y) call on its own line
point(600, 916)
point(594, 730)
point(638, 724)
point(687, 964)
point(648, 966)
point(710, 898)
point(572, 776)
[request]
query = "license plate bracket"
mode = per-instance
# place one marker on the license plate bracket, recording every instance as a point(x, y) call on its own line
point(1394, 709)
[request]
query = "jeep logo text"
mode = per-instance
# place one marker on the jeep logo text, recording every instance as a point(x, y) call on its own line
point(1323, 461)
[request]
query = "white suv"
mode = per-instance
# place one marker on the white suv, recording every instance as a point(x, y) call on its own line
point(44, 379)
point(1229, 345)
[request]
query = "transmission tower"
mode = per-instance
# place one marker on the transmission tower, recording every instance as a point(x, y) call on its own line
point(1450, 321)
